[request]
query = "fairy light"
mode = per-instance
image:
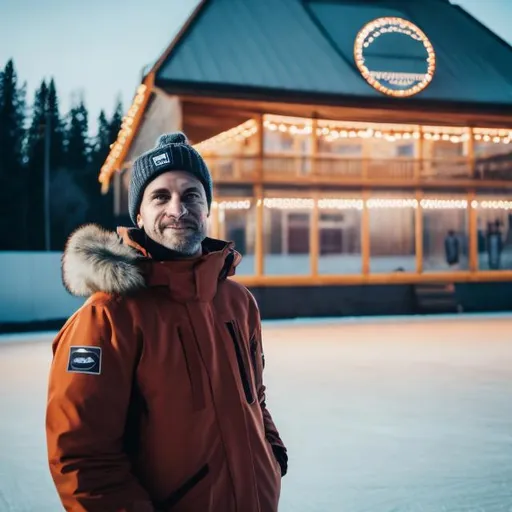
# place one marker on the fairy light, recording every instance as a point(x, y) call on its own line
point(333, 130)
point(117, 148)
point(289, 203)
point(493, 205)
point(413, 83)
point(398, 203)
point(391, 203)
point(340, 204)
point(236, 134)
point(444, 204)
point(235, 205)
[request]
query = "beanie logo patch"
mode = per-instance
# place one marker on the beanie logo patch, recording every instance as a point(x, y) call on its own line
point(161, 159)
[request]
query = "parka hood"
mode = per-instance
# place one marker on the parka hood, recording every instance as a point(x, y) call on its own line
point(97, 260)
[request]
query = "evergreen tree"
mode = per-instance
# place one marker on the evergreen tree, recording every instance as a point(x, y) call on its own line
point(77, 145)
point(56, 129)
point(101, 142)
point(116, 121)
point(13, 180)
point(35, 154)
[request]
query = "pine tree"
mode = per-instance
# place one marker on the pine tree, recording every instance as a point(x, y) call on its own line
point(116, 121)
point(77, 145)
point(56, 128)
point(101, 142)
point(13, 179)
point(35, 154)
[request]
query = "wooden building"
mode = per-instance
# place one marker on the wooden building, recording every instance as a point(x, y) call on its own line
point(360, 150)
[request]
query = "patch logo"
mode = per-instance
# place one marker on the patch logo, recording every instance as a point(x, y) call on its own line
point(161, 159)
point(85, 360)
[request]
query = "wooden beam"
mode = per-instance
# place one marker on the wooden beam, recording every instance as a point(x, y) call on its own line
point(418, 233)
point(471, 153)
point(441, 117)
point(260, 152)
point(259, 245)
point(365, 234)
point(473, 233)
point(314, 237)
point(377, 278)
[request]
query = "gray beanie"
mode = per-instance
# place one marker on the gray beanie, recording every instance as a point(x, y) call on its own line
point(172, 152)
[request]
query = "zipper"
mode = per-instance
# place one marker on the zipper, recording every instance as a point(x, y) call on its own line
point(246, 383)
point(253, 346)
point(182, 491)
point(194, 372)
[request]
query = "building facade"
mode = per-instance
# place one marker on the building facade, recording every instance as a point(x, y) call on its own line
point(361, 151)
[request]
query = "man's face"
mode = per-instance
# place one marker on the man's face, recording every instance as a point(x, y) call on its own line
point(174, 212)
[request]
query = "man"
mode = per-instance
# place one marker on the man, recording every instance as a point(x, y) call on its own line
point(156, 400)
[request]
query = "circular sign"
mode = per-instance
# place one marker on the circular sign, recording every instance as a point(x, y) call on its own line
point(395, 56)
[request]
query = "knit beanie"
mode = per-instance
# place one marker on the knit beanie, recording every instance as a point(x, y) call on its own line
point(171, 152)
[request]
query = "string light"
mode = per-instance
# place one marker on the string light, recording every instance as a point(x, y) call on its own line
point(444, 204)
point(116, 149)
point(232, 205)
point(392, 203)
point(492, 205)
point(413, 83)
point(333, 130)
point(300, 203)
point(237, 134)
point(340, 204)
point(297, 203)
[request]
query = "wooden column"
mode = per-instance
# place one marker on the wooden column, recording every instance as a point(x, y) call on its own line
point(260, 134)
point(418, 164)
point(418, 236)
point(314, 146)
point(259, 249)
point(473, 233)
point(215, 222)
point(365, 234)
point(314, 236)
point(471, 153)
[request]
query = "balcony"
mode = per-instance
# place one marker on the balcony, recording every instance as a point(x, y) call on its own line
point(332, 170)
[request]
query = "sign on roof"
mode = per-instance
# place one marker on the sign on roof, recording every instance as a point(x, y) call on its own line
point(395, 56)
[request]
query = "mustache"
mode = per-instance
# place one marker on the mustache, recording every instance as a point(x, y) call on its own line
point(179, 225)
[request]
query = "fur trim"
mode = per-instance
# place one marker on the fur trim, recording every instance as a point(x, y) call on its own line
point(96, 260)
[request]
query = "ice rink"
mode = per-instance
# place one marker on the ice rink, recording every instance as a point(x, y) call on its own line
point(379, 415)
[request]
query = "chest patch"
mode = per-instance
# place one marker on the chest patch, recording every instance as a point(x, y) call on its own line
point(85, 360)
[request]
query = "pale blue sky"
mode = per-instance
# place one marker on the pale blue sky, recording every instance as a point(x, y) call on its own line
point(98, 47)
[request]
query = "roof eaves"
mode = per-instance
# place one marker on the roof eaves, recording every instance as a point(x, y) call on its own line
point(216, 90)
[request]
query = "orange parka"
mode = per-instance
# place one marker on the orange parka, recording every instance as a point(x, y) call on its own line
point(156, 400)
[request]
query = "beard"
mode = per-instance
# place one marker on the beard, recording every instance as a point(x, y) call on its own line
point(186, 242)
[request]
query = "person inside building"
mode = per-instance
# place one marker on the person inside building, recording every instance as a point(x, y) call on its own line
point(156, 399)
point(452, 248)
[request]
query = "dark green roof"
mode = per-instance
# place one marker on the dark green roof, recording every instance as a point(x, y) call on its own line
point(280, 48)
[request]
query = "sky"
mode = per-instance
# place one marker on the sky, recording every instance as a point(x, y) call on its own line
point(96, 49)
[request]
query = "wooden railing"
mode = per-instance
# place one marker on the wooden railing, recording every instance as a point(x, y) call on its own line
point(304, 169)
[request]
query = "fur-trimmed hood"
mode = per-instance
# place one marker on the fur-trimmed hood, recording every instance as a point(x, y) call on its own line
point(96, 260)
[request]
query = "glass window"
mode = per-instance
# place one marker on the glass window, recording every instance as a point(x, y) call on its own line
point(237, 224)
point(494, 239)
point(445, 154)
point(392, 233)
point(339, 231)
point(286, 235)
point(445, 233)
point(492, 157)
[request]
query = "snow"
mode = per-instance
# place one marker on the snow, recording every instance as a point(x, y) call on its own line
point(397, 414)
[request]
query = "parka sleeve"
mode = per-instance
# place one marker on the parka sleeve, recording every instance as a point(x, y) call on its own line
point(89, 391)
point(271, 432)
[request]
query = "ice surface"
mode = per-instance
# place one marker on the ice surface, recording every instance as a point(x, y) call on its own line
point(379, 415)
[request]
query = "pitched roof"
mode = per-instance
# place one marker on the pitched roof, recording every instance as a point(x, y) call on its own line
point(305, 48)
